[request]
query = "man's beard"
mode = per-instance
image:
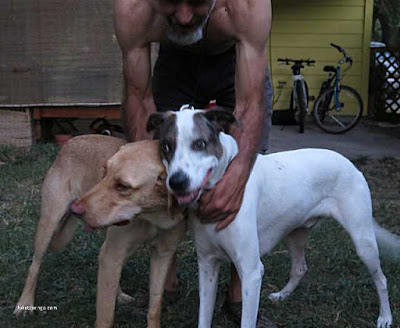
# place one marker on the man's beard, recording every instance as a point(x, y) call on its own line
point(184, 39)
point(175, 35)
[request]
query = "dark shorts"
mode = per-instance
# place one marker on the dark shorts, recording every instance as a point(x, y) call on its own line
point(182, 77)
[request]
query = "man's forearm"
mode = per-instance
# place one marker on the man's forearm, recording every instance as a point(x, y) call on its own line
point(138, 101)
point(135, 114)
point(248, 131)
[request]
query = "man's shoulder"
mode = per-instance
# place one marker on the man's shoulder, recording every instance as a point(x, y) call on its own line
point(133, 10)
point(237, 8)
point(137, 19)
point(234, 16)
point(134, 4)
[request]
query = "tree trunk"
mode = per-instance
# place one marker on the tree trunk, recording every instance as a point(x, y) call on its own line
point(390, 34)
point(388, 13)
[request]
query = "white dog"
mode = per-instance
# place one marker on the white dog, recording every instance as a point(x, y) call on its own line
point(286, 194)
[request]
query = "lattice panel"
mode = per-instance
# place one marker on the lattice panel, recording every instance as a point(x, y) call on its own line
point(388, 61)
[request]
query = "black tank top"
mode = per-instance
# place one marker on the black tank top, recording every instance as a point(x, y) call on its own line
point(205, 47)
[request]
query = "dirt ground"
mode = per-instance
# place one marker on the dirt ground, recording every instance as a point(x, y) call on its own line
point(368, 139)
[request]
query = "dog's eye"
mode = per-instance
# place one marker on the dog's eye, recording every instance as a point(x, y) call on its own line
point(165, 147)
point(199, 144)
point(121, 187)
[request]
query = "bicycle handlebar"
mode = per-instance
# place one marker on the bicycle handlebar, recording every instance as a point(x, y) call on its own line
point(346, 56)
point(339, 48)
point(296, 61)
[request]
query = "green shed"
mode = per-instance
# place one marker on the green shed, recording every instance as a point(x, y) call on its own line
point(305, 29)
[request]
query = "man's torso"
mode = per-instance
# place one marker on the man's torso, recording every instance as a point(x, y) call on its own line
point(221, 24)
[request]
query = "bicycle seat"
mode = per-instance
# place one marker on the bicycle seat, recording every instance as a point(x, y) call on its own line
point(330, 69)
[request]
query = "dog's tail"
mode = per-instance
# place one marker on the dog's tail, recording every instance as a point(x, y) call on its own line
point(388, 243)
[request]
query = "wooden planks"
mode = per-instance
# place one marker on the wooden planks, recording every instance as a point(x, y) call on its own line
point(320, 3)
point(111, 112)
point(291, 40)
point(320, 26)
point(15, 128)
point(58, 51)
point(287, 11)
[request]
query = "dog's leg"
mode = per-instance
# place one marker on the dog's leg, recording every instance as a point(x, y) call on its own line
point(251, 278)
point(53, 209)
point(111, 260)
point(245, 254)
point(120, 241)
point(367, 250)
point(123, 298)
point(208, 286)
point(64, 234)
point(240, 241)
point(162, 252)
point(356, 217)
point(295, 242)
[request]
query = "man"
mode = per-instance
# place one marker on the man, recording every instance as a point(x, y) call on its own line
point(209, 49)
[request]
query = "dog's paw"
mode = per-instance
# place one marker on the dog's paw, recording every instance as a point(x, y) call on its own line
point(384, 321)
point(23, 308)
point(279, 296)
point(123, 298)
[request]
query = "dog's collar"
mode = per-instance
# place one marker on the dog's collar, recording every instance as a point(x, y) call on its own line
point(186, 107)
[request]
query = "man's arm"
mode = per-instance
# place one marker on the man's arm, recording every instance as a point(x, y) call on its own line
point(224, 200)
point(132, 22)
point(251, 65)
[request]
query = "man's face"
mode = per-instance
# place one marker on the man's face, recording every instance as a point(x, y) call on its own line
point(186, 19)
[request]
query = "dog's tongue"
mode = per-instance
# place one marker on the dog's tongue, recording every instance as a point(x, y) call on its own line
point(88, 228)
point(186, 198)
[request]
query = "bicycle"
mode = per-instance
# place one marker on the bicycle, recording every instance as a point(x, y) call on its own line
point(335, 98)
point(299, 98)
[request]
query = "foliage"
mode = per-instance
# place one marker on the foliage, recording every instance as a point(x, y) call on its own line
point(387, 18)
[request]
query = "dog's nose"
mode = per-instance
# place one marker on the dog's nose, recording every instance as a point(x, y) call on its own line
point(78, 208)
point(179, 182)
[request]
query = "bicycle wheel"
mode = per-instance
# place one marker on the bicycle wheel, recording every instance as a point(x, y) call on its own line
point(301, 104)
point(343, 119)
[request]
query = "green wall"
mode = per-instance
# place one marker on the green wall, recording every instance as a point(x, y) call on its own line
point(305, 28)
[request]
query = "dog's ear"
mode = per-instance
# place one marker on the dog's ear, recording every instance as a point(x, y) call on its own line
point(220, 118)
point(155, 120)
point(173, 207)
point(160, 185)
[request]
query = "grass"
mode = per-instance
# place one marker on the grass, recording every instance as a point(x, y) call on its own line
point(337, 292)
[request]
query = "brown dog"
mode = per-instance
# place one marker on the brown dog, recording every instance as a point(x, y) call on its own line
point(133, 188)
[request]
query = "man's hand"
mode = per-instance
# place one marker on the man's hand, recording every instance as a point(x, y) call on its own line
point(223, 202)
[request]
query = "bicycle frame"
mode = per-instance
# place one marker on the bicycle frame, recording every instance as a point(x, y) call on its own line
point(299, 79)
point(336, 89)
point(335, 78)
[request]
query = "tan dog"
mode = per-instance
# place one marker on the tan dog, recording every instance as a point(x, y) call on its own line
point(133, 187)
point(135, 178)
